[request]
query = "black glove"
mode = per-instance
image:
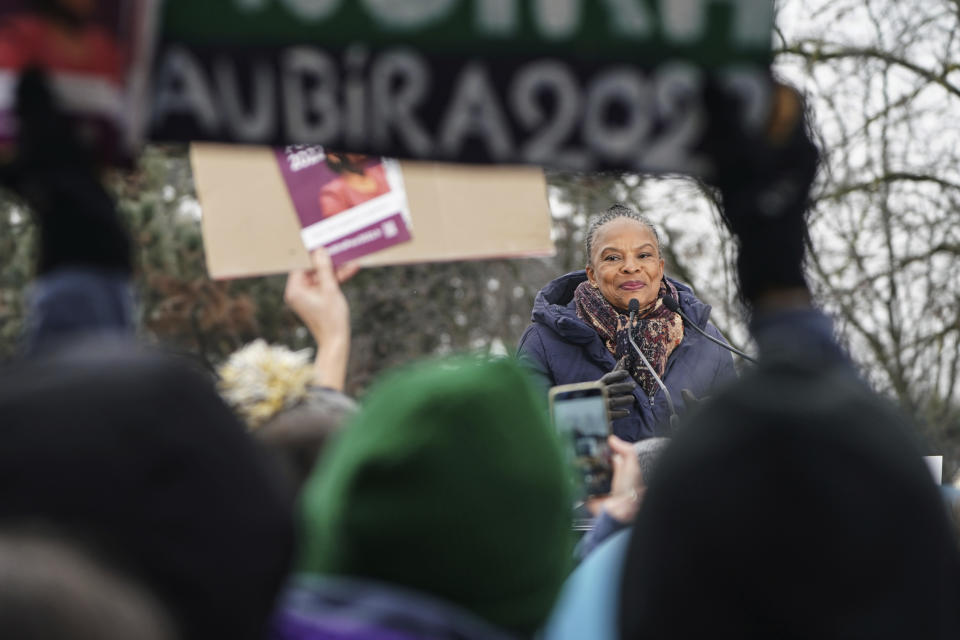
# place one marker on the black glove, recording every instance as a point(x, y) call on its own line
point(764, 179)
point(58, 179)
point(692, 401)
point(620, 388)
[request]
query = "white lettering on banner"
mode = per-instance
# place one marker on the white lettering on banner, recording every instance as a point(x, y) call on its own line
point(497, 17)
point(474, 109)
point(259, 121)
point(408, 14)
point(182, 90)
point(557, 19)
point(301, 63)
point(677, 88)
point(312, 9)
point(630, 18)
point(400, 82)
point(553, 77)
point(543, 115)
point(612, 140)
point(685, 21)
point(355, 95)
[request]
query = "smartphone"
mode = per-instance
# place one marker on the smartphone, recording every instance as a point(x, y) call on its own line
point(580, 416)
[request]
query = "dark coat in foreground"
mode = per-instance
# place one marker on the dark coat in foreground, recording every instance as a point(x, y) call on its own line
point(563, 349)
point(795, 505)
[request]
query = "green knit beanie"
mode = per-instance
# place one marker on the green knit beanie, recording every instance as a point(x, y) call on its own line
point(450, 481)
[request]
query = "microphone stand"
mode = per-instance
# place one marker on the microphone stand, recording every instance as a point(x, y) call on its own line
point(634, 307)
point(671, 303)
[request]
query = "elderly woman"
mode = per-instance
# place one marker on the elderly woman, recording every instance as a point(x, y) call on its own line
point(579, 328)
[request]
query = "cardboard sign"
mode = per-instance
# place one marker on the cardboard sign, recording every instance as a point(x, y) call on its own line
point(458, 212)
point(579, 84)
point(96, 56)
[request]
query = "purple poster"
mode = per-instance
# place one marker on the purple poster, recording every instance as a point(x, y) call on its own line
point(349, 203)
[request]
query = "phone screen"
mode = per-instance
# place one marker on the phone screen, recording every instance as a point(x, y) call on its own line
point(580, 415)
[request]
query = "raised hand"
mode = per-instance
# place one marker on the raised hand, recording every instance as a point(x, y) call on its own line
point(764, 179)
point(627, 487)
point(315, 296)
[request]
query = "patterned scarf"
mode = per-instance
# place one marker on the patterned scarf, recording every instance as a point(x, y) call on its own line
point(657, 331)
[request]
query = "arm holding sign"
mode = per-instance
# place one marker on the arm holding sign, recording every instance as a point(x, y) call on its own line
point(315, 297)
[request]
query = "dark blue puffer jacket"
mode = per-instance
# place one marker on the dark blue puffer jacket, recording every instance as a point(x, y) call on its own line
point(562, 349)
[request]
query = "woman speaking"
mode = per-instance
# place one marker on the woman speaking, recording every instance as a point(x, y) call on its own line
point(581, 331)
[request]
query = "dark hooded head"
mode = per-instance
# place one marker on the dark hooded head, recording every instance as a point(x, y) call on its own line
point(138, 457)
point(793, 506)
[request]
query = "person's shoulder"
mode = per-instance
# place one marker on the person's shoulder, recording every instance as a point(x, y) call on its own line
point(531, 337)
point(545, 335)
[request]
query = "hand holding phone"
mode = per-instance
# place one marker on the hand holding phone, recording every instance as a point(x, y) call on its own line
point(581, 416)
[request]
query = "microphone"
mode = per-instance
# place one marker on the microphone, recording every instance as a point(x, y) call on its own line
point(634, 308)
point(671, 303)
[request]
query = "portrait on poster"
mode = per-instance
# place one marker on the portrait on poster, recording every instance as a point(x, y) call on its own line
point(350, 203)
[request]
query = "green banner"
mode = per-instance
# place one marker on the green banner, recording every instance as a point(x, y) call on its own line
point(706, 31)
point(583, 84)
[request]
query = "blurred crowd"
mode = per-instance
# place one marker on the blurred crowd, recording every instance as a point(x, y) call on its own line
point(142, 498)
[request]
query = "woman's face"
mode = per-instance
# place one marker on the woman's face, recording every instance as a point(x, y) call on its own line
point(346, 162)
point(625, 263)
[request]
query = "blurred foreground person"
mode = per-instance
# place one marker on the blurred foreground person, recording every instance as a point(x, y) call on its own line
point(304, 417)
point(587, 605)
point(442, 511)
point(50, 590)
point(794, 505)
point(136, 455)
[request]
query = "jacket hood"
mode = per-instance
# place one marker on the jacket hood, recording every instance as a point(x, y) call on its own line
point(552, 307)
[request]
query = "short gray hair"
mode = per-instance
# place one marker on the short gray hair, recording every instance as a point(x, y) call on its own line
point(614, 212)
point(648, 455)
